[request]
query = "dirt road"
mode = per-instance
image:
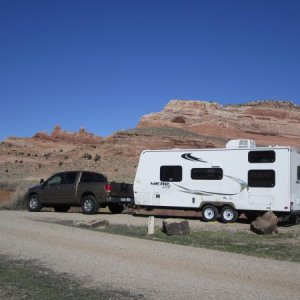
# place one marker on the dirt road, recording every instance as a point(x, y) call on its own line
point(153, 269)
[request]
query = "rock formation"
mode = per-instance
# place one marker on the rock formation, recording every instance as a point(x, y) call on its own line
point(267, 122)
point(58, 134)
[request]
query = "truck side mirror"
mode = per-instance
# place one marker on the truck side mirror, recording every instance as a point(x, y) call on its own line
point(42, 181)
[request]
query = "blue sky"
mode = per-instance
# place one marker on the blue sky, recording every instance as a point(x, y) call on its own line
point(101, 64)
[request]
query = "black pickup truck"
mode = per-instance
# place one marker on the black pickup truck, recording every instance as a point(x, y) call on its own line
point(89, 190)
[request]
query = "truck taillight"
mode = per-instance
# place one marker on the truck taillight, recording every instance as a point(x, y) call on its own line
point(108, 188)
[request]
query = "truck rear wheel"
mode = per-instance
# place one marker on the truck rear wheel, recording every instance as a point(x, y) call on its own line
point(228, 214)
point(89, 205)
point(115, 208)
point(209, 213)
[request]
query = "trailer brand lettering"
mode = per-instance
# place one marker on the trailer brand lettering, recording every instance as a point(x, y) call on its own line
point(165, 185)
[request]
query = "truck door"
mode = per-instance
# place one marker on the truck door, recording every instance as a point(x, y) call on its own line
point(67, 189)
point(52, 188)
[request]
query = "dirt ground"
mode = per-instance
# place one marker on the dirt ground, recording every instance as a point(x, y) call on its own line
point(5, 195)
point(129, 219)
point(155, 270)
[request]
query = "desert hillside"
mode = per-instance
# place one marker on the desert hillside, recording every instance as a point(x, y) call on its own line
point(181, 124)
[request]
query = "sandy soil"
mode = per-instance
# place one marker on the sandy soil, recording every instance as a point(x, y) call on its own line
point(153, 269)
point(5, 195)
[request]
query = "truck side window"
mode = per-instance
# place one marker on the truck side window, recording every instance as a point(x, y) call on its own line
point(92, 177)
point(55, 180)
point(261, 156)
point(261, 178)
point(70, 178)
point(298, 172)
point(171, 173)
point(207, 173)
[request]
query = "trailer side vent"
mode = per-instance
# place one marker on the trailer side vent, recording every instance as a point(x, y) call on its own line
point(244, 143)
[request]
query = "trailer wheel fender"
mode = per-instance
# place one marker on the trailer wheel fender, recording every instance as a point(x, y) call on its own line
point(228, 214)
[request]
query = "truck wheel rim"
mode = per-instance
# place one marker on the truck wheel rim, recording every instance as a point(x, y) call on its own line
point(209, 213)
point(33, 203)
point(228, 214)
point(88, 205)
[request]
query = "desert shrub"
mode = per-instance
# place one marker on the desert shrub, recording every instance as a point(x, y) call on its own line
point(60, 163)
point(21, 161)
point(66, 157)
point(28, 154)
point(87, 156)
point(17, 200)
point(40, 165)
point(61, 150)
point(97, 157)
point(47, 155)
point(6, 171)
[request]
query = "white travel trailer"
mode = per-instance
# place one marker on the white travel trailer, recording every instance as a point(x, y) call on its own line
point(221, 182)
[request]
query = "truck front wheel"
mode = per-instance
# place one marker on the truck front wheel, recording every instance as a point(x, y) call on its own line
point(115, 208)
point(34, 203)
point(89, 205)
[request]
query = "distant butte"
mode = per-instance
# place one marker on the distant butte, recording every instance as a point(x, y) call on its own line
point(82, 136)
point(267, 122)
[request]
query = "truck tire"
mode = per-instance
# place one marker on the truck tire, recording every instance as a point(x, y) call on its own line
point(89, 205)
point(209, 213)
point(228, 214)
point(115, 208)
point(61, 208)
point(34, 203)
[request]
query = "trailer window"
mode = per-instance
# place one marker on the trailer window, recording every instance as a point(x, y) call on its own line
point(207, 173)
point(261, 156)
point(171, 173)
point(261, 178)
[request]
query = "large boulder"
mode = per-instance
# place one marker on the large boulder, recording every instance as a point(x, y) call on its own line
point(266, 224)
point(176, 227)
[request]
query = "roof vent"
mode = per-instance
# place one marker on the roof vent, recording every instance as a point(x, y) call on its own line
point(234, 144)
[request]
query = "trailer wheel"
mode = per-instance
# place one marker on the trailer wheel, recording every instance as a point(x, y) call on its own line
point(89, 205)
point(228, 214)
point(115, 208)
point(209, 213)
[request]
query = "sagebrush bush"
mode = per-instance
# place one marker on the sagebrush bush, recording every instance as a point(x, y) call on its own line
point(17, 200)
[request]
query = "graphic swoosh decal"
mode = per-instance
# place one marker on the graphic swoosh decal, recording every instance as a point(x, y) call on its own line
point(189, 157)
point(243, 185)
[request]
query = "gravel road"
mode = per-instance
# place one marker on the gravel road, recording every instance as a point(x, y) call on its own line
point(153, 269)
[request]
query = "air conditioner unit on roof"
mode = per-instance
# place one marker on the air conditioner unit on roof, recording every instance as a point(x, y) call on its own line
point(241, 143)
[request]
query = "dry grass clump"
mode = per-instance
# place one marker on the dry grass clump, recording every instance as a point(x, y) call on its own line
point(17, 200)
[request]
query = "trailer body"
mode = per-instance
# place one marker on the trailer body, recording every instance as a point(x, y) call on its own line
point(246, 178)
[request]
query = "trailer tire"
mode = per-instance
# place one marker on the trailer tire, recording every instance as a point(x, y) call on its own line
point(116, 208)
point(209, 213)
point(89, 205)
point(228, 214)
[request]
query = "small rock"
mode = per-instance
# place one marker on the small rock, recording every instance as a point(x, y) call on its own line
point(90, 224)
point(176, 227)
